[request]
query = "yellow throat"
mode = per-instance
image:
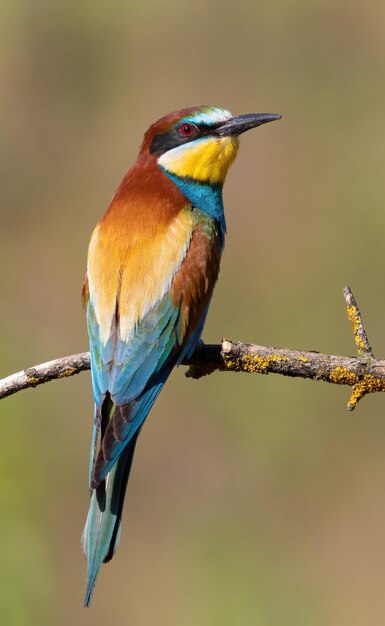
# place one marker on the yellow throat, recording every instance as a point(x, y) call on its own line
point(207, 159)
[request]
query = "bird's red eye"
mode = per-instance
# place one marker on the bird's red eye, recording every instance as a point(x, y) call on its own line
point(187, 130)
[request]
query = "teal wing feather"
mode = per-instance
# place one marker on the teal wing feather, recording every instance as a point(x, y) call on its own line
point(131, 376)
point(127, 378)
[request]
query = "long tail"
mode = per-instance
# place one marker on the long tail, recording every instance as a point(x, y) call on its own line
point(102, 530)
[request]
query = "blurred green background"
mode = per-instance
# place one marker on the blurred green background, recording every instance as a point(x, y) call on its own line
point(253, 500)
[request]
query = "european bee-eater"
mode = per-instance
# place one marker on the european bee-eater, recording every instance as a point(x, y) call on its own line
point(153, 261)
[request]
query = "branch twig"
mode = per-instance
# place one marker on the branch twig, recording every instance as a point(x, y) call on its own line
point(45, 372)
point(354, 315)
point(364, 374)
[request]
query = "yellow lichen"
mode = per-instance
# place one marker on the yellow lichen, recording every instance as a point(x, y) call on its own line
point(251, 363)
point(368, 384)
point(69, 371)
point(343, 376)
point(302, 358)
point(32, 381)
point(360, 387)
point(354, 318)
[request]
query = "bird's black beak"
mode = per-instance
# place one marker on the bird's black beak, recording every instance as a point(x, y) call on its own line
point(240, 124)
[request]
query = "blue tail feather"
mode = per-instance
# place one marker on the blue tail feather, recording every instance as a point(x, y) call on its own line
point(102, 530)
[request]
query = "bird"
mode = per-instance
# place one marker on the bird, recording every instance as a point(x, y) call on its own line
point(153, 261)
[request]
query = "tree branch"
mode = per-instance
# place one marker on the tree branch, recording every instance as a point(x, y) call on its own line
point(44, 373)
point(364, 374)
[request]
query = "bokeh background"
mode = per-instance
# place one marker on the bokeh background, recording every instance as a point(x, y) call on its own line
point(253, 500)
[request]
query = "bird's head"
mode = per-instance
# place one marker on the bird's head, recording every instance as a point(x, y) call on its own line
point(199, 143)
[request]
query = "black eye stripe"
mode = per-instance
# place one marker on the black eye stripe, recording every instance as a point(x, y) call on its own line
point(166, 141)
